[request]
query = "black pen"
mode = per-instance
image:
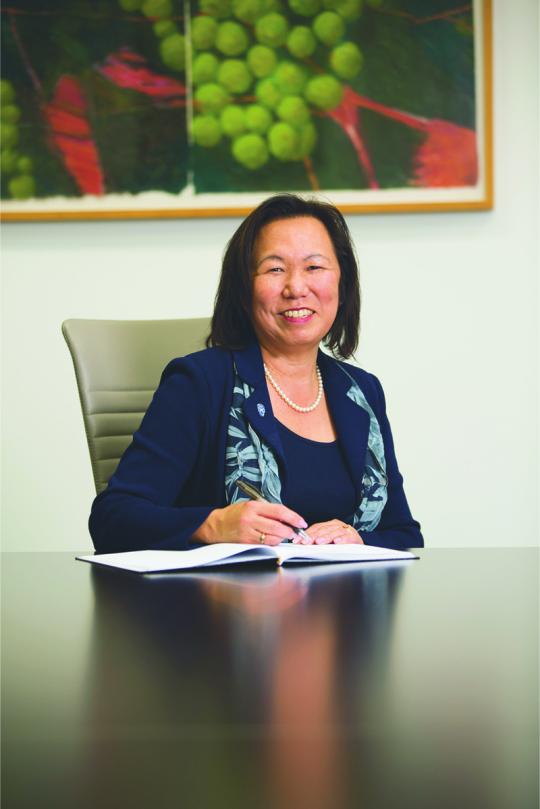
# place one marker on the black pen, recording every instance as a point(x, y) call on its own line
point(255, 494)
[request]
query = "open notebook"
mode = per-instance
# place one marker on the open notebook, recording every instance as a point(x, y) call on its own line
point(232, 553)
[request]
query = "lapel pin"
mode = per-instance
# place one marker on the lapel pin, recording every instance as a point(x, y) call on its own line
point(261, 409)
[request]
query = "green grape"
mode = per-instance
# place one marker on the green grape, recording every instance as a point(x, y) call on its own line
point(272, 30)
point(206, 131)
point(261, 60)
point(10, 113)
point(258, 119)
point(324, 92)
point(7, 93)
point(204, 68)
point(301, 42)
point(203, 32)
point(216, 8)
point(348, 9)
point(157, 8)
point(162, 28)
point(8, 161)
point(305, 8)
point(294, 110)
point(22, 187)
point(9, 135)
point(307, 140)
point(234, 75)
point(130, 5)
point(283, 141)
point(328, 27)
point(211, 97)
point(250, 151)
point(233, 120)
point(290, 78)
point(346, 60)
point(25, 164)
point(231, 39)
point(248, 10)
point(173, 51)
point(268, 93)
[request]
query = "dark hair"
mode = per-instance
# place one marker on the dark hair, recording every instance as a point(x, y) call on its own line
point(232, 326)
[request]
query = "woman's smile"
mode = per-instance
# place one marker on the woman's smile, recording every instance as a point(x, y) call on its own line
point(297, 316)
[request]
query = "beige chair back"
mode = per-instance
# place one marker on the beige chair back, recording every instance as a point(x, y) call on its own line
point(118, 364)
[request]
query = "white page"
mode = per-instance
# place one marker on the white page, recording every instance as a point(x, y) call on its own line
point(217, 554)
point(340, 553)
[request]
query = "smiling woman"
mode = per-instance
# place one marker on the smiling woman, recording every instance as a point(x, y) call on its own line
point(295, 291)
point(264, 405)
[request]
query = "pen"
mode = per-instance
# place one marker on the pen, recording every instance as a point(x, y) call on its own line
point(255, 494)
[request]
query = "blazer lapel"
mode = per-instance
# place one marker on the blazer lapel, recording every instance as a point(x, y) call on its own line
point(350, 420)
point(257, 407)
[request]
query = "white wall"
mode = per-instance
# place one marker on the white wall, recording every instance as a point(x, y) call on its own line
point(449, 325)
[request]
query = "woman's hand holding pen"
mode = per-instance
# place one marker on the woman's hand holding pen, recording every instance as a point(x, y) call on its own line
point(252, 521)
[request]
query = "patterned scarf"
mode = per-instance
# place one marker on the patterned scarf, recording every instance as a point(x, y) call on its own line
point(250, 459)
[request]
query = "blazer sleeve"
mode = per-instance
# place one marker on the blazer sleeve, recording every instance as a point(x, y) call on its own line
point(137, 510)
point(397, 529)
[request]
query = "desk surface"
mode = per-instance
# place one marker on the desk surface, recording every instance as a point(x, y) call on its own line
point(385, 685)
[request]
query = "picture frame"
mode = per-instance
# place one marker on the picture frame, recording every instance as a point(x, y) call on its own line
point(105, 130)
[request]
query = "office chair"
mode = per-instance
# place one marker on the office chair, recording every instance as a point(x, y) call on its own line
point(118, 364)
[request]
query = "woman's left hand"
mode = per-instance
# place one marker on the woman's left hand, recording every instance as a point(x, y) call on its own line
point(333, 531)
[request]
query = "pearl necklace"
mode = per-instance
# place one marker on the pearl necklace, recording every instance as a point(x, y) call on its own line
point(290, 402)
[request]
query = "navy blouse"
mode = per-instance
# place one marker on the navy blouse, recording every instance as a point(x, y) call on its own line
point(318, 485)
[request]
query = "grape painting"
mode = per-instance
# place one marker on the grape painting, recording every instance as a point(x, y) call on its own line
point(210, 97)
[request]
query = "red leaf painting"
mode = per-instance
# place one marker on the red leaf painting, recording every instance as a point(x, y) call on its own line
point(127, 69)
point(446, 158)
point(70, 134)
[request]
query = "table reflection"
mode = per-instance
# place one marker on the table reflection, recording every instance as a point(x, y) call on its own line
point(248, 681)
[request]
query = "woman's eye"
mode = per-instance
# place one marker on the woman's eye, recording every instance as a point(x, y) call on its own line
point(275, 269)
point(314, 267)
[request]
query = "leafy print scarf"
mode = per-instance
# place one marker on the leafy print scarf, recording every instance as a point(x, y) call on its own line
point(249, 458)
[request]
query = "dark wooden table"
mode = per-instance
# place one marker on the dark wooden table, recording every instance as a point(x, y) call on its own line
point(387, 685)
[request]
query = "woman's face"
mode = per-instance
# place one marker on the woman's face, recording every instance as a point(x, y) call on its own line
point(295, 284)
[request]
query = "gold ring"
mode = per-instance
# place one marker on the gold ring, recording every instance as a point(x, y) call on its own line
point(262, 537)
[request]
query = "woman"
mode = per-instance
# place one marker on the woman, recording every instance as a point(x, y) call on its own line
point(266, 406)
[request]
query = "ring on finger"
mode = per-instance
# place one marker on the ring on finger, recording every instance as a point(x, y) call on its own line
point(262, 537)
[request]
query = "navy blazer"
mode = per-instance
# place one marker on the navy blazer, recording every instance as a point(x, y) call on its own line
point(173, 473)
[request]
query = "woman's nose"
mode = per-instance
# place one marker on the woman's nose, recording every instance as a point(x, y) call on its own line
point(295, 284)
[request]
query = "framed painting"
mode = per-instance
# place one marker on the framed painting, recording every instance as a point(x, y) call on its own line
point(171, 108)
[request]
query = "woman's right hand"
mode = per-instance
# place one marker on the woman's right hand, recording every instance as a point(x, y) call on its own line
point(251, 521)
